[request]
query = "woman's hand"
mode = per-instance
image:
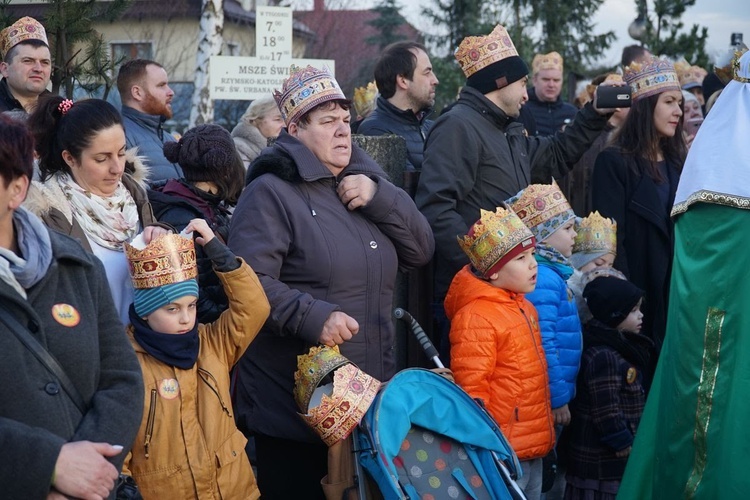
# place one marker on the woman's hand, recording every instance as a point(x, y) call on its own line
point(82, 470)
point(201, 227)
point(356, 191)
point(153, 232)
point(338, 328)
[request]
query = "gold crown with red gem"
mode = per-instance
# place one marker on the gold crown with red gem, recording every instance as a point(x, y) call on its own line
point(166, 260)
point(543, 208)
point(494, 239)
point(26, 28)
point(477, 52)
point(341, 404)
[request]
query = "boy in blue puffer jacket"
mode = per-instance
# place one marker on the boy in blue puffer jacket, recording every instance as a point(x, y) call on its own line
point(545, 211)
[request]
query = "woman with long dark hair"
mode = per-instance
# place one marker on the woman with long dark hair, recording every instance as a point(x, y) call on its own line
point(635, 180)
point(91, 188)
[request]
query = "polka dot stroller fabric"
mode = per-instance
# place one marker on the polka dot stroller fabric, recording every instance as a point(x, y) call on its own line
point(425, 438)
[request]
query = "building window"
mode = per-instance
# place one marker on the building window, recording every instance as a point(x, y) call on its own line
point(126, 51)
point(231, 49)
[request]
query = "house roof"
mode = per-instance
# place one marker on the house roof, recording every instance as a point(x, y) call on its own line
point(342, 35)
point(149, 9)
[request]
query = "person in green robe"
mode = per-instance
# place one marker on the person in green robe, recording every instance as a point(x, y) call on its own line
point(693, 441)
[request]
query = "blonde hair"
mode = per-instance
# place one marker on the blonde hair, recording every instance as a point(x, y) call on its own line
point(259, 108)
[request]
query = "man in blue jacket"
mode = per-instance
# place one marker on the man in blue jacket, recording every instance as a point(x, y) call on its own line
point(146, 105)
point(406, 84)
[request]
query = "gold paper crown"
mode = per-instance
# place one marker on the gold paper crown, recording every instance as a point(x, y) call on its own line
point(304, 89)
point(543, 208)
point(596, 234)
point(553, 60)
point(166, 260)
point(311, 369)
point(338, 414)
point(492, 238)
point(364, 99)
point(691, 76)
point(651, 77)
point(477, 52)
point(26, 28)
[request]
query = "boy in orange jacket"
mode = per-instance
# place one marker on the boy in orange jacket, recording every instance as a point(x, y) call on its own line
point(496, 346)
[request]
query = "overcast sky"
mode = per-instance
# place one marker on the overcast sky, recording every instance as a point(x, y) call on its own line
point(721, 17)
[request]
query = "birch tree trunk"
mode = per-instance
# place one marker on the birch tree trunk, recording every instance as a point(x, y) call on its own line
point(210, 43)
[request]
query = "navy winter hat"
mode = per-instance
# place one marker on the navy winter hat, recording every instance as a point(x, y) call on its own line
point(611, 299)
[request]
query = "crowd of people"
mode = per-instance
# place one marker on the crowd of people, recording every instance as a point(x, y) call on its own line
point(157, 292)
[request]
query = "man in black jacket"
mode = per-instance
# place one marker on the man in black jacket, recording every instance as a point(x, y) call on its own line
point(407, 93)
point(477, 154)
point(26, 65)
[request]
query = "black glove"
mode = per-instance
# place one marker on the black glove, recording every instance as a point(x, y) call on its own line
point(221, 256)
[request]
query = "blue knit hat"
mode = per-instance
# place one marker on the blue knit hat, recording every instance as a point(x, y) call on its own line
point(148, 300)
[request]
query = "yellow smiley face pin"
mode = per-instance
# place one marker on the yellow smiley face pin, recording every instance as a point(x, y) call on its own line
point(66, 315)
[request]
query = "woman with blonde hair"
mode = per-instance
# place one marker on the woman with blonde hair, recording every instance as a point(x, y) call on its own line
point(261, 121)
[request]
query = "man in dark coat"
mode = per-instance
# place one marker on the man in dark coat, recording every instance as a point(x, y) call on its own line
point(26, 65)
point(52, 444)
point(477, 155)
point(406, 84)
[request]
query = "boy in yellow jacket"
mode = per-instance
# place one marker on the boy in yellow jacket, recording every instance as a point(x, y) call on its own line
point(188, 445)
point(496, 347)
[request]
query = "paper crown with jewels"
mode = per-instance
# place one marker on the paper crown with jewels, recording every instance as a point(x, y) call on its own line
point(553, 60)
point(364, 99)
point(335, 409)
point(168, 259)
point(26, 28)
point(543, 208)
point(653, 76)
point(495, 239)
point(490, 62)
point(727, 65)
point(595, 236)
point(304, 89)
point(691, 77)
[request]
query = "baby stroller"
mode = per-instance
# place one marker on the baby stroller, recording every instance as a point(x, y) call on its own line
point(423, 437)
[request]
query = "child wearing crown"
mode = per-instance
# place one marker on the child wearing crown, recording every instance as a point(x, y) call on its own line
point(611, 390)
point(546, 212)
point(594, 249)
point(188, 445)
point(496, 349)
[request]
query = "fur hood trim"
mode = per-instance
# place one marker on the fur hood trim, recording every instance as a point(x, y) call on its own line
point(136, 167)
point(276, 163)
